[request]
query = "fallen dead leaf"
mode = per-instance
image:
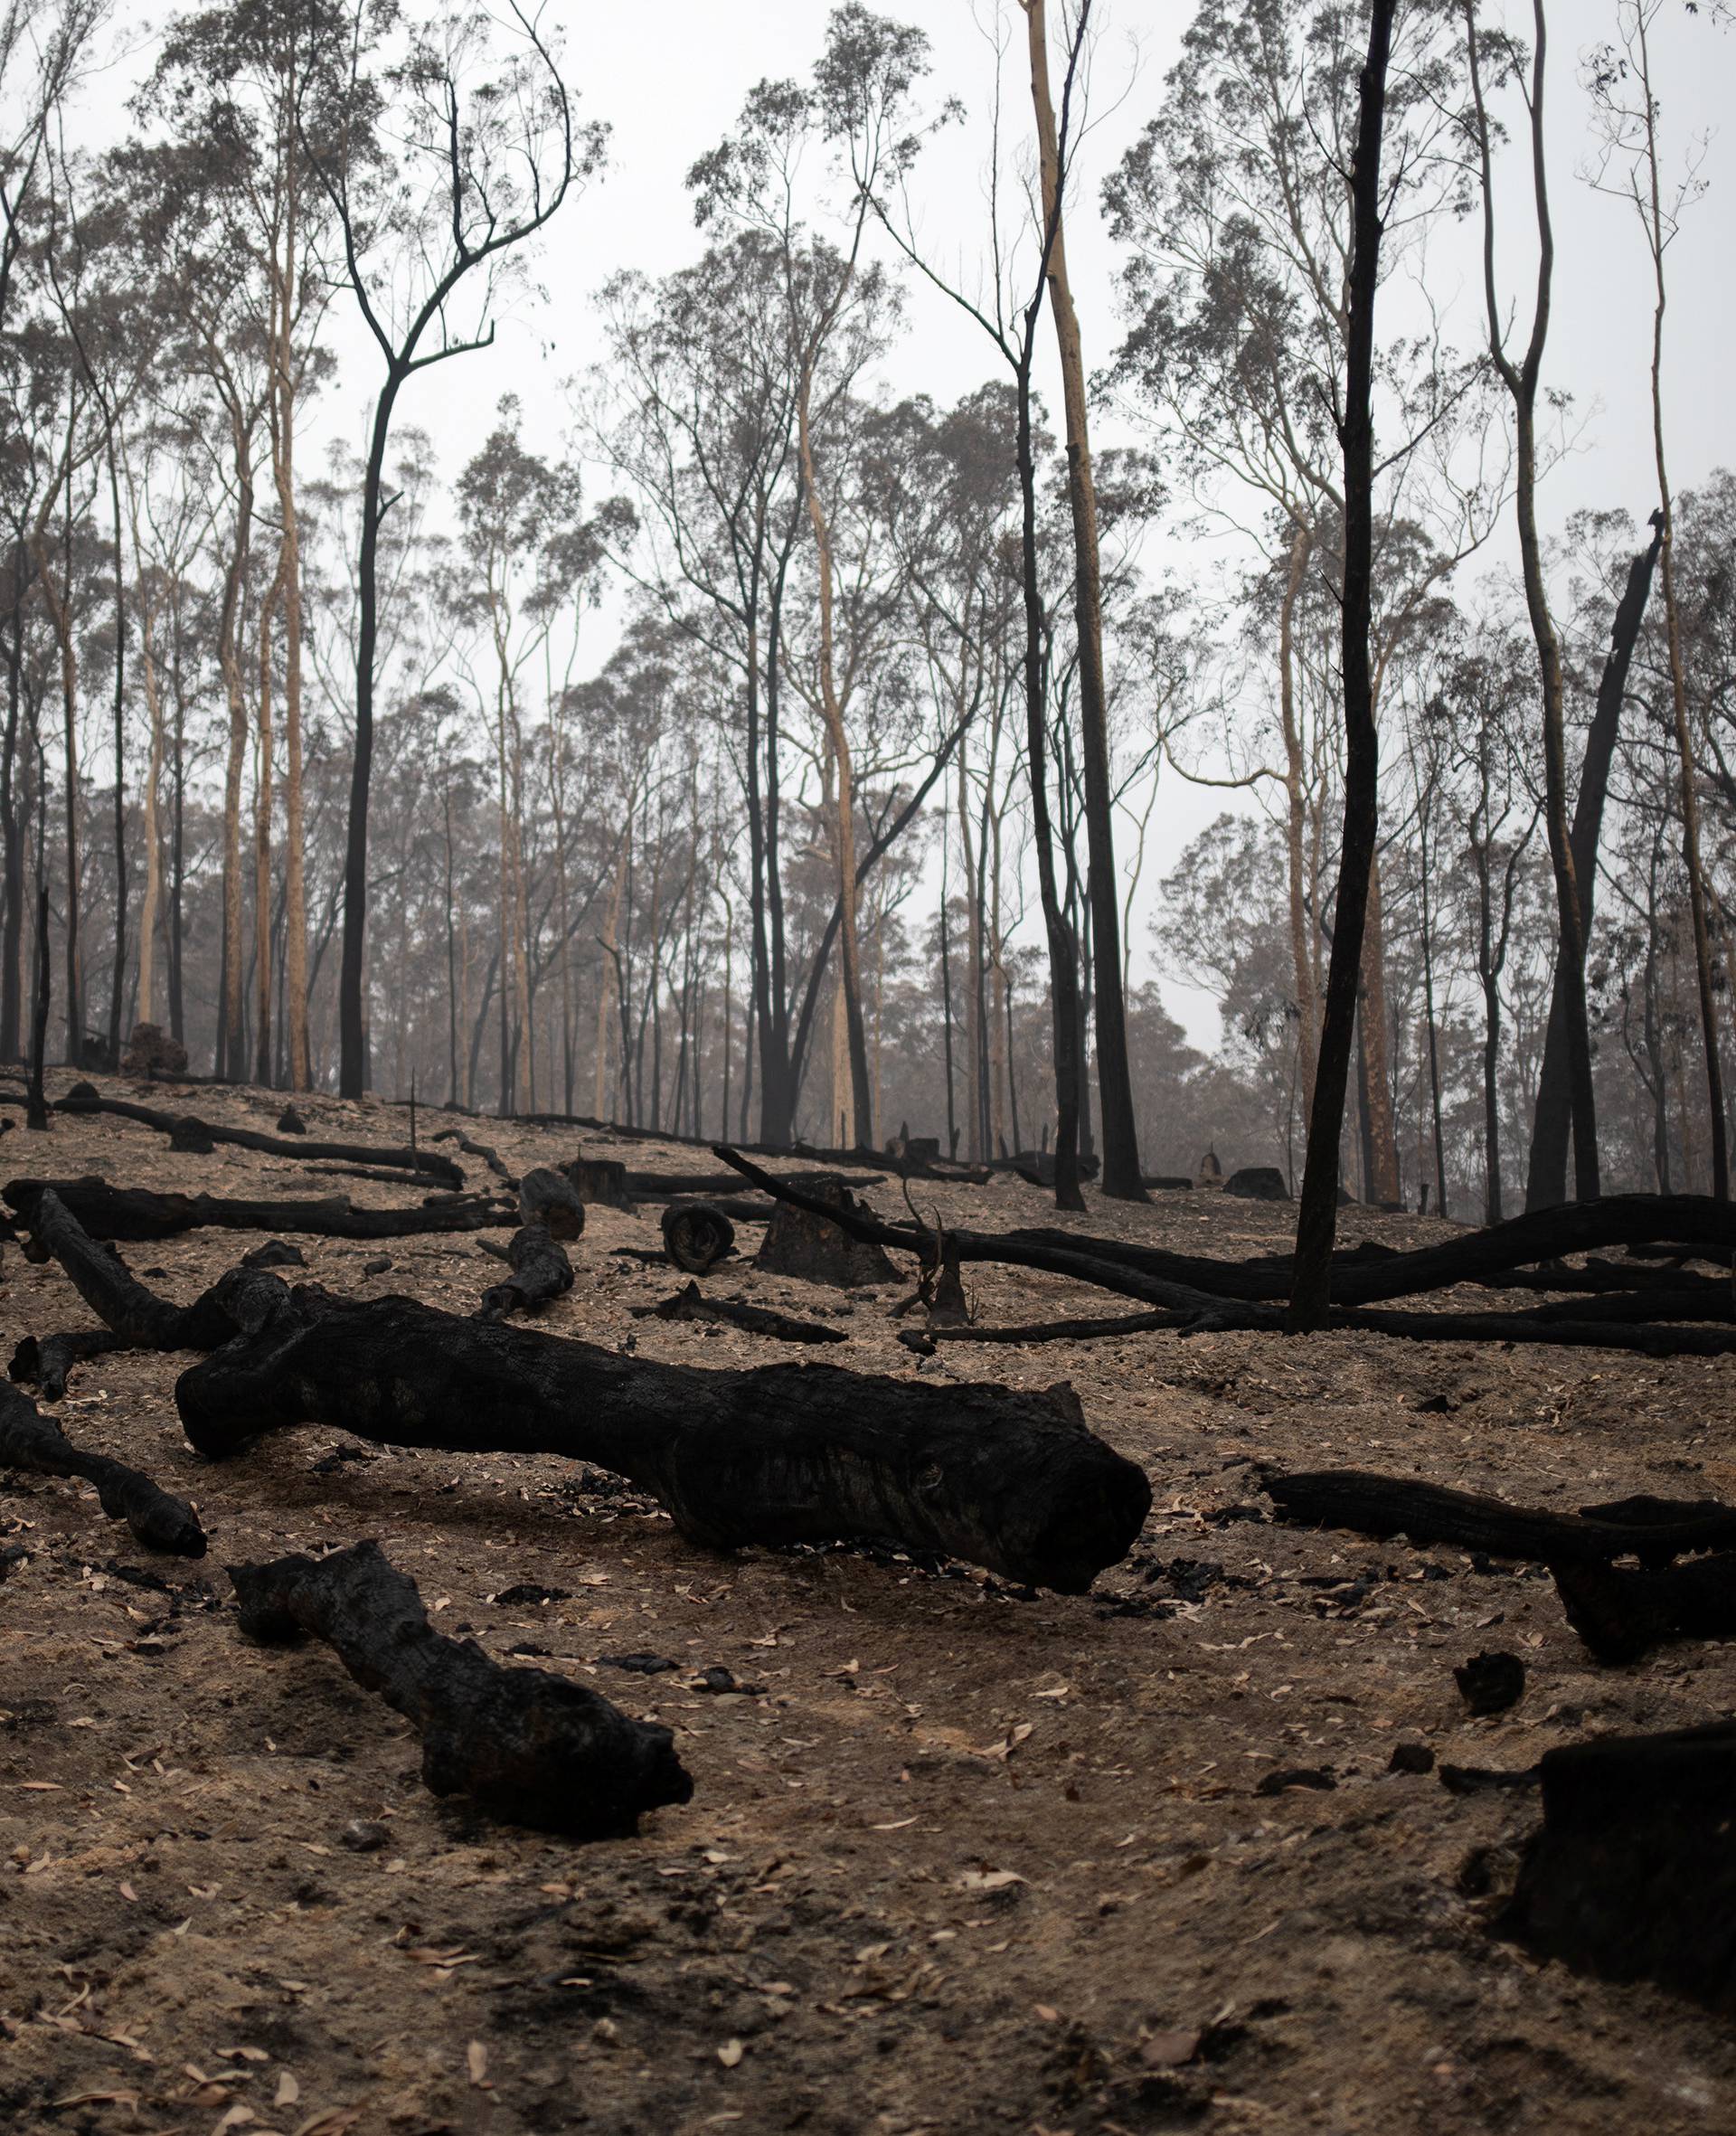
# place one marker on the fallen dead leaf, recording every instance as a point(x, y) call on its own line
point(731, 2053)
point(475, 2056)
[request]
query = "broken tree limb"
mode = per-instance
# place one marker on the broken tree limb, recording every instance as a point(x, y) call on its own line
point(135, 1213)
point(696, 1235)
point(491, 1157)
point(1367, 1274)
point(1198, 1311)
point(1371, 1505)
point(691, 1305)
point(188, 1131)
point(1621, 1614)
point(1010, 1480)
point(137, 1317)
point(523, 1745)
point(43, 1364)
point(540, 1273)
point(1632, 1875)
point(31, 1441)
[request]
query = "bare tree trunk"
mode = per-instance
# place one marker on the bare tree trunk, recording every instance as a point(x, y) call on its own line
point(1317, 1217)
point(1703, 962)
point(117, 971)
point(1302, 953)
point(262, 783)
point(1521, 382)
point(850, 968)
point(231, 1048)
point(1121, 1171)
point(1546, 1183)
point(1383, 1137)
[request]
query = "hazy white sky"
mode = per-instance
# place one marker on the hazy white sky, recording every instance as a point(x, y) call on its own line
point(669, 76)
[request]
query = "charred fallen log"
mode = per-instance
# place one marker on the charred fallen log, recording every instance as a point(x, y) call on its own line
point(108, 1211)
point(540, 1273)
point(187, 1131)
point(1633, 1874)
point(1371, 1505)
point(523, 1745)
point(31, 1441)
point(782, 1454)
point(692, 1304)
point(696, 1235)
point(137, 1317)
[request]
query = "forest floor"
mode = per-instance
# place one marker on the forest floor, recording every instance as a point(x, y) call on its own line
point(959, 1858)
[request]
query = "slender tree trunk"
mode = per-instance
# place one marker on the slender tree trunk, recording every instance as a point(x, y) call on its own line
point(1317, 1217)
point(1704, 976)
point(117, 971)
point(13, 825)
point(1522, 381)
point(1302, 954)
point(1121, 1171)
point(850, 968)
point(1063, 948)
point(262, 796)
point(151, 910)
point(1546, 1182)
point(1383, 1137)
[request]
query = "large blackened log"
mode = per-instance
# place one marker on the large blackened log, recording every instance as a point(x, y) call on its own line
point(783, 1454)
point(108, 1211)
point(1633, 1874)
point(30, 1441)
point(523, 1745)
point(187, 1131)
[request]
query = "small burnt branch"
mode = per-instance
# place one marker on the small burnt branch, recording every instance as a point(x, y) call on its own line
point(523, 1745)
point(31, 1441)
point(691, 1305)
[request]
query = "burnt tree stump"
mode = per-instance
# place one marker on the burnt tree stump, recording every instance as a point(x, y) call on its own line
point(696, 1235)
point(601, 1179)
point(1633, 1874)
point(549, 1198)
point(800, 1242)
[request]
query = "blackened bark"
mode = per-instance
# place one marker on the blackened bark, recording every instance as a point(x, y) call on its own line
point(540, 1273)
point(186, 1130)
